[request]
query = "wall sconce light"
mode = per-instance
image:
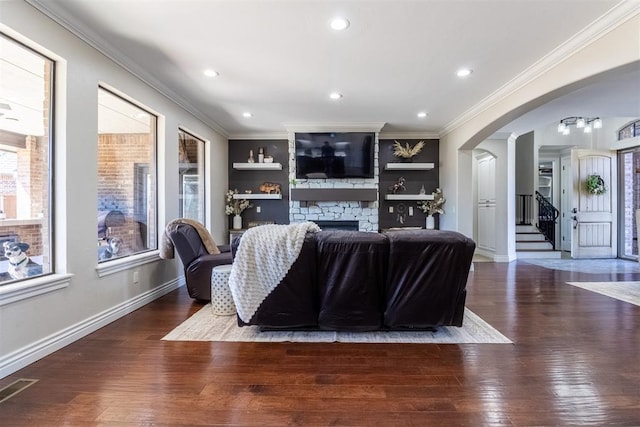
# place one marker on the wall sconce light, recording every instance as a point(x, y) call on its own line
point(587, 124)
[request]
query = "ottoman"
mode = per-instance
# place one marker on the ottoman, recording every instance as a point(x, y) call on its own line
point(221, 298)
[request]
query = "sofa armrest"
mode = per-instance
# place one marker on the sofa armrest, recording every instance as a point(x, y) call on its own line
point(198, 274)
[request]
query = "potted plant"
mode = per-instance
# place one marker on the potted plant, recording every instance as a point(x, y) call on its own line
point(406, 153)
point(235, 207)
point(432, 207)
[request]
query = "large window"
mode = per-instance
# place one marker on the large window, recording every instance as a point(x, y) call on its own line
point(191, 176)
point(127, 200)
point(631, 130)
point(25, 162)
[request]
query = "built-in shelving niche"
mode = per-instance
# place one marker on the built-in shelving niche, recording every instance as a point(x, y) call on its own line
point(400, 209)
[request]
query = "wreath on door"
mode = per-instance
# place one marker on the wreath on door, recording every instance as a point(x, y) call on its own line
point(595, 185)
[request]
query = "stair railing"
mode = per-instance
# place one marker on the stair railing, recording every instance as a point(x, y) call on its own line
point(547, 216)
point(524, 209)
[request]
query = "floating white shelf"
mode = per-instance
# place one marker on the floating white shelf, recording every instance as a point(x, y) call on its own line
point(258, 166)
point(257, 196)
point(409, 166)
point(408, 197)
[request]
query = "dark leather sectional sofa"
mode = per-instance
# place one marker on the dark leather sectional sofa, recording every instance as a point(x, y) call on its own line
point(197, 262)
point(358, 281)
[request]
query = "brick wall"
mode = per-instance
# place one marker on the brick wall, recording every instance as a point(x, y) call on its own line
point(27, 233)
point(188, 148)
point(124, 159)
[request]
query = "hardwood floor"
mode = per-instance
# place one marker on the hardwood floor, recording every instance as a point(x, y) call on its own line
point(574, 361)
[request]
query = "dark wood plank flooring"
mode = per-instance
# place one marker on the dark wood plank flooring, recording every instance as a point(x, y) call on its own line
point(575, 361)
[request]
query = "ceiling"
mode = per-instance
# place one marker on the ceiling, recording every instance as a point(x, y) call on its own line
point(279, 60)
point(22, 88)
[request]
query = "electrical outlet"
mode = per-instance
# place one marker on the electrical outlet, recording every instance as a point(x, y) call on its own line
point(136, 277)
point(390, 209)
point(258, 209)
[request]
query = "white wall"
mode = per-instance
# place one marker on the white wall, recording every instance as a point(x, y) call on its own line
point(610, 48)
point(599, 139)
point(34, 326)
point(525, 165)
point(504, 150)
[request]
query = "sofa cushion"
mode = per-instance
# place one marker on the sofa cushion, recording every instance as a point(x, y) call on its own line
point(427, 278)
point(293, 304)
point(352, 269)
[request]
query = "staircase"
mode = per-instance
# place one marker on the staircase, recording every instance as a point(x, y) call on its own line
point(531, 243)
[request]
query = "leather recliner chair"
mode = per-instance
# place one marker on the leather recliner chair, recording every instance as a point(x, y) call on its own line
point(197, 261)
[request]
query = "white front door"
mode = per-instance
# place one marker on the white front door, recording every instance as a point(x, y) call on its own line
point(593, 215)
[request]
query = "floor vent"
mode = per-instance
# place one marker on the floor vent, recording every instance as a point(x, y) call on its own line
point(15, 388)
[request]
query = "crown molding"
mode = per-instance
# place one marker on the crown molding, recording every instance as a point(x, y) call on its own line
point(613, 18)
point(92, 39)
point(258, 136)
point(335, 127)
point(409, 135)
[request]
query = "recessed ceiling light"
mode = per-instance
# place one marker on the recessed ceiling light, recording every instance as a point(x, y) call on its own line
point(422, 114)
point(210, 73)
point(339, 23)
point(247, 114)
point(464, 72)
point(335, 95)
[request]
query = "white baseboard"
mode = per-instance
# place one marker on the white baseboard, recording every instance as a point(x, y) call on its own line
point(495, 257)
point(25, 356)
point(485, 253)
point(504, 258)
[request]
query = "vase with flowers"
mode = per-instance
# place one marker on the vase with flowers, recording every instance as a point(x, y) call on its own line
point(235, 207)
point(406, 152)
point(432, 207)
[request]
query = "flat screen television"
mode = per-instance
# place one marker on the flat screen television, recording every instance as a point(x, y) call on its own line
point(334, 155)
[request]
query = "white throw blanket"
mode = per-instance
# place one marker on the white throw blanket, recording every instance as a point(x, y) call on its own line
point(265, 255)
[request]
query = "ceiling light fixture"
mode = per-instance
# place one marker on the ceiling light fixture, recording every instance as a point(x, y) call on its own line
point(587, 124)
point(464, 72)
point(211, 73)
point(422, 114)
point(339, 23)
point(247, 114)
point(335, 95)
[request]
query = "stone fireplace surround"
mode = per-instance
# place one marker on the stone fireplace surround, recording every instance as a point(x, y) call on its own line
point(365, 212)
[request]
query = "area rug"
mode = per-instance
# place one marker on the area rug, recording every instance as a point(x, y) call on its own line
point(623, 291)
point(205, 326)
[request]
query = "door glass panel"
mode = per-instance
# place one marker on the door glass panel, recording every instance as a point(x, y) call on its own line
point(629, 202)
